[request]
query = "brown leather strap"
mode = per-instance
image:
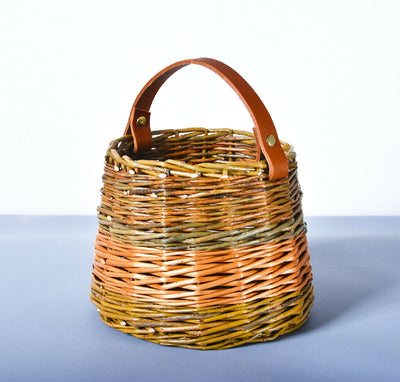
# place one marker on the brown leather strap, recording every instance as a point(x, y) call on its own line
point(264, 131)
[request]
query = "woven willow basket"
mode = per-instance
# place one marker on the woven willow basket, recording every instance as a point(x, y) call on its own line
point(201, 239)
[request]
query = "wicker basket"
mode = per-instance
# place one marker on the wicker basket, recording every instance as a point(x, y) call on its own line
point(201, 239)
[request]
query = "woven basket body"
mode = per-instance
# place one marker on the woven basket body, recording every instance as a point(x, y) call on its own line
point(196, 246)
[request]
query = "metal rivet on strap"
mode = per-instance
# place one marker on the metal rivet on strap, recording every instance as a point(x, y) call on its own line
point(271, 140)
point(141, 121)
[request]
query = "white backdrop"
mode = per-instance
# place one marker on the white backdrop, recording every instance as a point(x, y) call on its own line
point(328, 71)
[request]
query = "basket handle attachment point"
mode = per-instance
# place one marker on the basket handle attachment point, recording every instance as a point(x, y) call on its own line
point(264, 130)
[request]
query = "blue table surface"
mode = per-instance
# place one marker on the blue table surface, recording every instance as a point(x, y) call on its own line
point(49, 330)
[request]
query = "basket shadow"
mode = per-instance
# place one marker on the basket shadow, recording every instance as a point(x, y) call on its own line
point(350, 272)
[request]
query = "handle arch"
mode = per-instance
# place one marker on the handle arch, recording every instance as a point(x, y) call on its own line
point(264, 130)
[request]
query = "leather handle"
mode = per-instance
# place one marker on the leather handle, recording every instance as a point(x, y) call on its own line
point(264, 131)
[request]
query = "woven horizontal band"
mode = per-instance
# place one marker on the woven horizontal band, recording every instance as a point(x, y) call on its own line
point(201, 278)
point(197, 201)
point(216, 327)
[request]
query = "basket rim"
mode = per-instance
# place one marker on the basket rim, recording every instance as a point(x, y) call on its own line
point(182, 167)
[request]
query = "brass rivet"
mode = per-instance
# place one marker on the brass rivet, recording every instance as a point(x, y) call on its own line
point(141, 121)
point(271, 140)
